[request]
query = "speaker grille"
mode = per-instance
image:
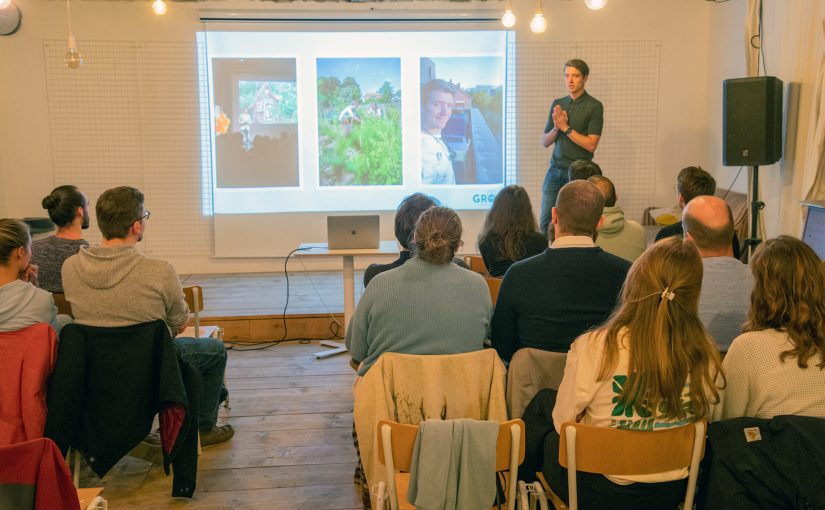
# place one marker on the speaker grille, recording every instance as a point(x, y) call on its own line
point(752, 121)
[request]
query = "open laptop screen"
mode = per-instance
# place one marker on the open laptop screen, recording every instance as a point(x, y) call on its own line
point(814, 233)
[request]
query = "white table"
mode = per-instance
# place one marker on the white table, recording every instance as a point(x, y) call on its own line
point(348, 256)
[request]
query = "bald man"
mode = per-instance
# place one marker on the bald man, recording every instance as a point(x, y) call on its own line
point(546, 301)
point(727, 283)
point(623, 238)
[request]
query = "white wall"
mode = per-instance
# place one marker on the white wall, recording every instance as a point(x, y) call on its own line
point(793, 46)
point(687, 29)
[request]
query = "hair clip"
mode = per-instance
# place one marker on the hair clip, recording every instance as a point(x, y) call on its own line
point(669, 294)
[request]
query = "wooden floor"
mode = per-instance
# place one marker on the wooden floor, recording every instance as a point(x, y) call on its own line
point(232, 295)
point(292, 447)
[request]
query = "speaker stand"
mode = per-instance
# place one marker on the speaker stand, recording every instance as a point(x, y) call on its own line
point(756, 206)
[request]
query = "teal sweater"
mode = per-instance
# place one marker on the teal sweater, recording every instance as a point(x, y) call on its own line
point(420, 308)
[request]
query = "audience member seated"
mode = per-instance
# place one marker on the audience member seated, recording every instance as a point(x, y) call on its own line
point(651, 366)
point(405, 217)
point(727, 283)
point(546, 301)
point(22, 304)
point(777, 366)
point(693, 181)
point(114, 285)
point(583, 169)
point(509, 233)
point(69, 210)
point(428, 305)
point(623, 238)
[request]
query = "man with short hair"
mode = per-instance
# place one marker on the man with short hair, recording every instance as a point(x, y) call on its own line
point(548, 300)
point(623, 238)
point(726, 283)
point(583, 169)
point(574, 125)
point(437, 98)
point(692, 182)
point(114, 285)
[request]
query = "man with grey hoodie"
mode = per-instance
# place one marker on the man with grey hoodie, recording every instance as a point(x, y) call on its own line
point(621, 237)
point(114, 285)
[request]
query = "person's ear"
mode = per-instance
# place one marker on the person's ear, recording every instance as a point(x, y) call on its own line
point(600, 223)
point(554, 216)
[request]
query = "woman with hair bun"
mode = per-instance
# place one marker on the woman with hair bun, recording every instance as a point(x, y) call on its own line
point(69, 210)
point(427, 306)
point(21, 303)
point(777, 366)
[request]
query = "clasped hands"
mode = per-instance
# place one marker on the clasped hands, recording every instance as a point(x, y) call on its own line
point(560, 119)
point(29, 274)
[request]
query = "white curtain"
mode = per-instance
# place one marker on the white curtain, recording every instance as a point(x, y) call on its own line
point(815, 155)
point(752, 42)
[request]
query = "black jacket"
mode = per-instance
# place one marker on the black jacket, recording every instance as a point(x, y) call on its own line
point(783, 469)
point(108, 385)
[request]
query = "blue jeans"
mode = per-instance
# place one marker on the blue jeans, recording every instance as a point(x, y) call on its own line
point(556, 178)
point(208, 356)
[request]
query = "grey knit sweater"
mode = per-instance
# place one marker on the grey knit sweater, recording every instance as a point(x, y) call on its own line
point(119, 286)
point(420, 308)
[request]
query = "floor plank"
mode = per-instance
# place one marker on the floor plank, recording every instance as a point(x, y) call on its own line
point(292, 447)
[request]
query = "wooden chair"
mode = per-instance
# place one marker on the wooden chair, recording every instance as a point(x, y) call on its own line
point(193, 296)
point(396, 448)
point(606, 450)
point(476, 264)
point(63, 306)
point(494, 284)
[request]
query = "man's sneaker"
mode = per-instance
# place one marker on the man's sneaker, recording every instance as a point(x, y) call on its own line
point(146, 451)
point(217, 435)
point(153, 439)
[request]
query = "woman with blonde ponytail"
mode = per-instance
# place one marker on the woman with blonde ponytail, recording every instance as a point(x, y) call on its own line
point(650, 366)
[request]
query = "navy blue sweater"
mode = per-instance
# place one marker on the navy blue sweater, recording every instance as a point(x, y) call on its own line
point(546, 301)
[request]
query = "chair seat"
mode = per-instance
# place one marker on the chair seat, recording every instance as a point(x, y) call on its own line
point(206, 332)
point(87, 496)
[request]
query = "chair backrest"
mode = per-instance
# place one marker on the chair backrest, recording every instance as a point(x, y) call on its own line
point(476, 264)
point(193, 295)
point(397, 441)
point(63, 306)
point(27, 357)
point(532, 370)
point(494, 284)
point(620, 452)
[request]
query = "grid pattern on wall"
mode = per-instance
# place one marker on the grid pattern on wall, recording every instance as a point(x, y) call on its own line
point(624, 76)
point(131, 116)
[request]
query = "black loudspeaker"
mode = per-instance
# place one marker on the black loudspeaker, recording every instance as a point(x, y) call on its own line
point(752, 121)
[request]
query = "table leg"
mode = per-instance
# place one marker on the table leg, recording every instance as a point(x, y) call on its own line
point(349, 306)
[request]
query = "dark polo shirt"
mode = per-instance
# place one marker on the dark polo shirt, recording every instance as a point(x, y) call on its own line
point(585, 115)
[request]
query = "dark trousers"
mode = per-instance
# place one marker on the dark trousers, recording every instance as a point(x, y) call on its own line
point(595, 491)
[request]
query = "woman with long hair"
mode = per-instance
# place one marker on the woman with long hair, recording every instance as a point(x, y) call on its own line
point(650, 366)
point(777, 366)
point(21, 303)
point(509, 233)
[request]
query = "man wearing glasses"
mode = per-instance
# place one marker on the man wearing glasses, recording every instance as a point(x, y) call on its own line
point(114, 285)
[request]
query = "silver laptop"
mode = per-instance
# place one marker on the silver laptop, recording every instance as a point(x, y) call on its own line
point(352, 232)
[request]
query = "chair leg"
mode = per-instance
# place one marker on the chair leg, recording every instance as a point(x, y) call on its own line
point(76, 473)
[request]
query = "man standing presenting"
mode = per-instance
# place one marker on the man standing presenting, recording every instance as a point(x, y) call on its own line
point(574, 125)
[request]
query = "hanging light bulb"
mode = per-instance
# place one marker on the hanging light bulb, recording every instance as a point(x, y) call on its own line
point(159, 7)
point(4, 3)
point(595, 4)
point(72, 57)
point(539, 23)
point(508, 19)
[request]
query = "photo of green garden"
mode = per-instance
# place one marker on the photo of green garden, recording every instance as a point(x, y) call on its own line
point(359, 121)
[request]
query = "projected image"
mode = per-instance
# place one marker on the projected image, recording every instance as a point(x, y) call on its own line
point(256, 123)
point(359, 121)
point(462, 101)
